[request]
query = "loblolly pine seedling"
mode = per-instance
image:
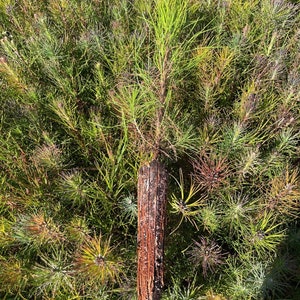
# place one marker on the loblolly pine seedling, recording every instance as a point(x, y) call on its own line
point(77, 229)
point(74, 189)
point(12, 275)
point(96, 263)
point(48, 157)
point(38, 230)
point(207, 254)
point(279, 277)
point(52, 275)
point(190, 292)
point(237, 211)
point(248, 163)
point(129, 208)
point(255, 279)
point(210, 295)
point(282, 197)
point(263, 235)
point(210, 172)
point(209, 217)
point(215, 297)
point(237, 286)
point(188, 206)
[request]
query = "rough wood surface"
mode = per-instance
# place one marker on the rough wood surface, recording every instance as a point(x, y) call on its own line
point(152, 185)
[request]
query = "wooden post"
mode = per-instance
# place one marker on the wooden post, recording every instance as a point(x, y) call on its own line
point(152, 186)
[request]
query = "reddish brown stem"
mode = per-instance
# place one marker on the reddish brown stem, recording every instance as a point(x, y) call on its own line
point(152, 185)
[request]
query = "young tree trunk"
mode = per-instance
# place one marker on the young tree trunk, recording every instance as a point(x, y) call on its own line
point(152, 186)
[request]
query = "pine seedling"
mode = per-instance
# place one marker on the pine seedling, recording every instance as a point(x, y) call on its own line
point(263, 235)
point(209, 217)
point(65, 111)
point(48, 157)
point(207, 254)
point(255, 279)
point(129, 208)
point(191, 292)
point(96, 262)
point(237, 211)
point(8, 66)
point(73, 188)
point(283, 195)
point(279, 277)
point(287, 141)
point(246, 108)
point(52, 276)
point(210, 295)
point(114, 167)
point(77, 230)
point(12, 276)
point(209, 172)
point(38, 230)
point(186, 205)
point(237, 137)
point(215, 73)
point(236, 285)
point(248, 163)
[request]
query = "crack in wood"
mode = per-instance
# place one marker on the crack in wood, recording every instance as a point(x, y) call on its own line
point(152, 186)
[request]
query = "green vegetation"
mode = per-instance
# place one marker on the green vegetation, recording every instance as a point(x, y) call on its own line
point(91, 89)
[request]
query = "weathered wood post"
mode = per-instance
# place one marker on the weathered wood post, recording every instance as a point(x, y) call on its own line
point(152, 186)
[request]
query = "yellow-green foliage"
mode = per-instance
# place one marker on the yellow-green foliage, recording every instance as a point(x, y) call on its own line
point(92, 90)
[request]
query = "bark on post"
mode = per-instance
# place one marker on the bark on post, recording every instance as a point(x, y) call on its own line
point(152, 185)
